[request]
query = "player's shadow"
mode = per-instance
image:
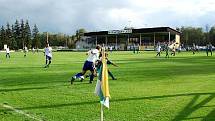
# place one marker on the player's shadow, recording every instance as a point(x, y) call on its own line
point(190, 108)
point(180, 66)
point(82, 83)
point(193, 106)
point(53, 106)
point(29, 68)
point(210, 116)
point(166, 72)
point(184, 114)
point(31, 80)
point(22, 89)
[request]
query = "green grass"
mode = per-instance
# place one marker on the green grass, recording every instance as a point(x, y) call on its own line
point(147, 89)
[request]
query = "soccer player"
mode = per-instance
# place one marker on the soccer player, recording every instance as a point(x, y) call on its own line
point(33, 50)
point(99, 63)
point(167, 50)
point(48, 54)
point(158, 50)
point(209, 49)
point(134, 49)
point(138, 48)
point(111, 49)
point(194, 48)
point(179, 49)
point(25, 51)
point(7, 52)
point(173, 50)
point(93, 56)
point(110, 63)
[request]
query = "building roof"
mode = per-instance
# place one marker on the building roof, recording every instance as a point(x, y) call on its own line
point(135, 31)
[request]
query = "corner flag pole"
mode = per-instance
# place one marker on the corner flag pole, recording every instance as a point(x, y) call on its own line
point(102, 111)
point(102, 117)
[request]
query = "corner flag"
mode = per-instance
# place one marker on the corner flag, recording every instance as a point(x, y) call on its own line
point(102, 86)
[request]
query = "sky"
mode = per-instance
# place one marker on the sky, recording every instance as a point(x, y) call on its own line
point(66, 16)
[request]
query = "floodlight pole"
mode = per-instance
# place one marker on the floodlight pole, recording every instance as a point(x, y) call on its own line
point(47, 38)
point(116, 42)
point(96, 41)
point(140, 40)
point(154, 41)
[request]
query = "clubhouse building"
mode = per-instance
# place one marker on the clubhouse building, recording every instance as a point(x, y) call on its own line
point(143, 38)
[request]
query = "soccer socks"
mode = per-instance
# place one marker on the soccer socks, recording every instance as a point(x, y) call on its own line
point(91, 78)
point(78, 75)
point(158, 54)
point(46, 62)
point(7, 56)
point(50, 62)
point(111, 75)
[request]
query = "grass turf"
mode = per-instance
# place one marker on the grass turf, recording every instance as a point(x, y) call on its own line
point(147, 88)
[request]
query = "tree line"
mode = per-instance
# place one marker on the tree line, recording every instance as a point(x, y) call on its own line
point(20, 34)
point(197, 35)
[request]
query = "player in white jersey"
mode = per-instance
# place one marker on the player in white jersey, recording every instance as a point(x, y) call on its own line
point(158, 50)
point(48, 54)
point(93, 56)
point(7, 52)
point(33, 50)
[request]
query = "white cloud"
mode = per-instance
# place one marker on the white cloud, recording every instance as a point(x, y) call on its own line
point(69, 15)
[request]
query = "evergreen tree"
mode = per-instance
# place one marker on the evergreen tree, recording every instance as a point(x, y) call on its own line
point(36, 42)
point(13, 40)
point(22, 34)
point(28, 41)
point(8, 35)
point(17, 33)
point(2, 37)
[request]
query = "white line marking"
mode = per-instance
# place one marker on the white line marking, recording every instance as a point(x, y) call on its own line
point(21, 112)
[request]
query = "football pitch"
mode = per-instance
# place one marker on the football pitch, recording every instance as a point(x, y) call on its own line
point(147, 88)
